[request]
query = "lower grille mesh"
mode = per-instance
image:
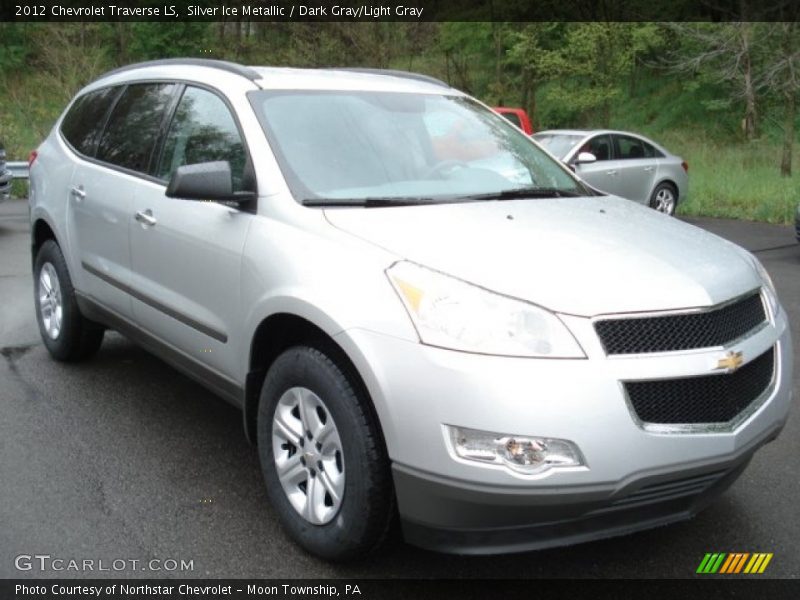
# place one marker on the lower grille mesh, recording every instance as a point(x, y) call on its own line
point(705, 399)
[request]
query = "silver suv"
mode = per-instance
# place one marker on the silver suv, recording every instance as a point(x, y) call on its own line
point(420, 312)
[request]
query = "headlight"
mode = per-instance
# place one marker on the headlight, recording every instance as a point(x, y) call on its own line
point(769, 287)
point(451, 313)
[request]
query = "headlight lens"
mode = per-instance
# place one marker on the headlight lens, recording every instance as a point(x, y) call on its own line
point(451, 313)
point(523, 454)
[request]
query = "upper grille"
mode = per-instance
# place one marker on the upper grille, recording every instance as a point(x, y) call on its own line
point(716, 327)
point(704, 399)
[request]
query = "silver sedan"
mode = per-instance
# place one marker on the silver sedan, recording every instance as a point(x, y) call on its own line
point(623, 164)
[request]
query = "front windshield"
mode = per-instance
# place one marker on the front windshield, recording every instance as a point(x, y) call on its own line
point(356, 146)
point(558, 144)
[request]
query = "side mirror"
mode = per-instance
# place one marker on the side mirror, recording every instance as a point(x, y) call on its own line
point(585, 157)
point(205, 181)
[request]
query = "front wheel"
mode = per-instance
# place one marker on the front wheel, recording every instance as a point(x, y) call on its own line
point(664, 199)
point(323, 456)
point(67, 334)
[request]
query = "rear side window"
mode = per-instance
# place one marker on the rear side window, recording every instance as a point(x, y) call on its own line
point(83, 123)
point(628, 147)
point(202, 130)
point(651, 151)
point(134, 125)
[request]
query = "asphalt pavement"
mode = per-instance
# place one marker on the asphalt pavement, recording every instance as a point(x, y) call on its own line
point(123, 458)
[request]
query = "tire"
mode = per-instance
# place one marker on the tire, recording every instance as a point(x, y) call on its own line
point(67, 334)
point(358, 521)
point(664, 198)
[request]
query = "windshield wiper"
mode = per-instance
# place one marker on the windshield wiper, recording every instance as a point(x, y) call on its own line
point(380, 201)
point(527, 192)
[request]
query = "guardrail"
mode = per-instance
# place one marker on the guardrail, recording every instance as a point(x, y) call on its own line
point(19, 169)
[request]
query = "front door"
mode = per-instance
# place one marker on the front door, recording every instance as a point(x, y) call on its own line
point(187, 254)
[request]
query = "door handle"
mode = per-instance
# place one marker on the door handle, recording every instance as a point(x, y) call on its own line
point(146, 217)
point(648, 169)
point(611, 172)
point(78, 193)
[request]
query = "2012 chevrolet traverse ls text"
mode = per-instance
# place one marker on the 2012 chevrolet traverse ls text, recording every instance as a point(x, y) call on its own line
point(420, 312)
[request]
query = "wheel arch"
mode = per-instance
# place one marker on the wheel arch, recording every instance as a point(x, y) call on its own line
point(275, 334)
point(41, 231)
point(672, 184)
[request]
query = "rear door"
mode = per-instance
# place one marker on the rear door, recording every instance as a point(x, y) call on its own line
point(97, 206)
point(637, 167)
point(105, 184)
point(186, 254)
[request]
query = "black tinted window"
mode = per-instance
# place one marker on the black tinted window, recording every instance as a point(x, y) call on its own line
point(513, 117)
point(134, 124)
point(629, 148)
point(651, 151)
point(82, 124)
point(600, 146)
point(202, 130)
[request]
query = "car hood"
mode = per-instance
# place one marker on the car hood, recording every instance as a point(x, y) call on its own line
point(582, 256)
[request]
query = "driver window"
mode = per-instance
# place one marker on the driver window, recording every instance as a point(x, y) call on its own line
point(600, 146)
point(202, 130)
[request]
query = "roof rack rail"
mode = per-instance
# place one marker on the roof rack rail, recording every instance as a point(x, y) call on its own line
point(397, 73)
point(222, 65)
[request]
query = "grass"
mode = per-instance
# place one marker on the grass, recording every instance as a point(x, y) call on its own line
point(738, 181)
point(728, 176)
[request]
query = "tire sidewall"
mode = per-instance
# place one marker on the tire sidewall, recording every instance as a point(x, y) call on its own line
point(59, 347)
point(654, 201)
point(343, 536)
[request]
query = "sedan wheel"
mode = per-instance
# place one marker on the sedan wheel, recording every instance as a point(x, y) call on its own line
point(664, 199)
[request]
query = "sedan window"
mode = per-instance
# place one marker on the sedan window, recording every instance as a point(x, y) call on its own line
point(629, 147)
point(600, 146)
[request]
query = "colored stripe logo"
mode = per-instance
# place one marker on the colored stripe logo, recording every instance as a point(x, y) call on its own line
point(734, 563)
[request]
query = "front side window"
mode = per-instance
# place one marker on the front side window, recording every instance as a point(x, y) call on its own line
point(134, 124)
point(360, 146)
point(202, 130)
point(558, 144)
point(600, 146)
point(83, 124)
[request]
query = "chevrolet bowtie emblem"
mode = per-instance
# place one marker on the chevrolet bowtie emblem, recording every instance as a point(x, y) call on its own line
point(731, 361)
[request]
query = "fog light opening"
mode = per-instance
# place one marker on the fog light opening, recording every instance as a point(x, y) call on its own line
point(528, 455)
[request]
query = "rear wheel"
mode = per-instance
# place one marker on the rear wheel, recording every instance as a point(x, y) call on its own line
point(67, 334)
point(664, 198)
point(323, 457)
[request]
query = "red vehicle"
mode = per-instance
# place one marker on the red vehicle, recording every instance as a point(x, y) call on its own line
point(517, 116)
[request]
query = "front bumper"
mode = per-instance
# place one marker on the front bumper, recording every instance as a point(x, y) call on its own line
point(632, 478)
point(453, 517)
